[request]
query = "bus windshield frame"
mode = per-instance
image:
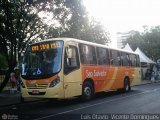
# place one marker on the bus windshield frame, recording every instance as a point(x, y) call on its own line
point(42, 60)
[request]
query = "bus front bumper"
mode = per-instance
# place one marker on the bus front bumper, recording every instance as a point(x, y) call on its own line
point(42, 93)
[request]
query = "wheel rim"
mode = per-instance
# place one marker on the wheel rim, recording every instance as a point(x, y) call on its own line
point(87, 91)
point(127, 87)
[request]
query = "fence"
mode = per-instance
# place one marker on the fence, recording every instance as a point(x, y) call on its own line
point(2, 77)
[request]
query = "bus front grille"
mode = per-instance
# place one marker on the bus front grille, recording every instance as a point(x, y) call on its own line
point(40, 93)
point(37, 86)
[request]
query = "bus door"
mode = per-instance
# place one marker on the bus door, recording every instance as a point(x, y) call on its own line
point(72, 72)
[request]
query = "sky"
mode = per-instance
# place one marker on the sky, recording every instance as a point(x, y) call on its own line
point(124, 15)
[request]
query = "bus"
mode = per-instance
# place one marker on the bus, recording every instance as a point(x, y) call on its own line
point(63, 68)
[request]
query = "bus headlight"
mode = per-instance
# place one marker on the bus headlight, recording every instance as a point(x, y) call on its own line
point(55, 82)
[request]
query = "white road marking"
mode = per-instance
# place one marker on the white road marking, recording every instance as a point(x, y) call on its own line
point(68, 111)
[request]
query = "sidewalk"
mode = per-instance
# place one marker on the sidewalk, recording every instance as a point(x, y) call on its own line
point(148, 82)
point(7, 98)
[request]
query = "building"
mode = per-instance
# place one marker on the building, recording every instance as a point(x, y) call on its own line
point(121, 36)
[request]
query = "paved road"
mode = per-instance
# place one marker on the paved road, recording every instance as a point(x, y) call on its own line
point(143, 99)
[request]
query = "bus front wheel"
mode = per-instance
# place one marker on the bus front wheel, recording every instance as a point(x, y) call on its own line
point(87, 91)
point(127, 86)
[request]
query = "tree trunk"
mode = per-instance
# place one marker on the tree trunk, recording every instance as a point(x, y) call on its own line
point(6, 79)
point(11, 65)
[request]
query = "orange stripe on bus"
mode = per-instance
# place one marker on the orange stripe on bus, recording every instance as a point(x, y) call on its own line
point(107, 77)
point(41, 81)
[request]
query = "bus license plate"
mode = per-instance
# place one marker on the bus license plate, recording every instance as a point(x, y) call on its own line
point(35, 91)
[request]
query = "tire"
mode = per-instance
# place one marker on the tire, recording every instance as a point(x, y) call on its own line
point(127, 86)
point(87, 91)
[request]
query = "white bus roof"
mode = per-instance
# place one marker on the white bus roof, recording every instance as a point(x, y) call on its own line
point(85, 42)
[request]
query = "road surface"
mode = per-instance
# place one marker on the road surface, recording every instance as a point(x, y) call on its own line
point(143, 102)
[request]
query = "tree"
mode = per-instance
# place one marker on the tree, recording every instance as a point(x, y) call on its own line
point(74, 22)
point(3, 63)
point(95, 32)
point(134, 39)
point(19, 23)
point(148, 41)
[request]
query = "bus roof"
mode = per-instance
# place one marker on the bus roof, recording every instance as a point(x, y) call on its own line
point(85, 42)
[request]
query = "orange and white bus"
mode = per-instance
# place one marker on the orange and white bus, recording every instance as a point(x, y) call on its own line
point(65, 67)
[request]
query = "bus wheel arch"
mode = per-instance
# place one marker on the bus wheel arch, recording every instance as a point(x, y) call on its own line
point(88, 89)
point(127, 85)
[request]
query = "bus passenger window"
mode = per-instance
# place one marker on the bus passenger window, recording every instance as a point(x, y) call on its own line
point(133, 59)
point(137, 61)
point(87, 54)
point(129, 60)
point(125, 59)
point(115, 58)
point(73, 62)
point(119, 59)
point(102, 56)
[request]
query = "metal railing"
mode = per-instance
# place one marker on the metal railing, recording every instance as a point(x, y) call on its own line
point(2, 77)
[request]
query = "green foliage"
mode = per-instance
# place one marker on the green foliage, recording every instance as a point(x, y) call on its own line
point(3, 63)
point(148, 41)
point(21, 24)
point(95, 32)
point(74, 22)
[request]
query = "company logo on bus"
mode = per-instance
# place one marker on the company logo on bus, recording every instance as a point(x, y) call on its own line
point(95, 73)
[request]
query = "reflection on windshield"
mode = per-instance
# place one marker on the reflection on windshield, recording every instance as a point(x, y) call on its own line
point(44, 62)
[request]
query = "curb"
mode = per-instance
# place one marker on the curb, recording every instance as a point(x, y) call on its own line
point(15, 99)
point(147, 82)
point(21, 103)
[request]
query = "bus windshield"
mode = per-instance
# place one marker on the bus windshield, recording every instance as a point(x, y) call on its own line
point(42, 60)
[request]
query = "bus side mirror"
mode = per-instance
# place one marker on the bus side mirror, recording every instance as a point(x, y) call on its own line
point(69, 53)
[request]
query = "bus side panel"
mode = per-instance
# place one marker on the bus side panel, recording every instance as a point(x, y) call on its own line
point(133, 73)
point(137, 76)
point(118, 78)
point(104, 77)
point(73, 84)
point(110, 77)
point(123, 72)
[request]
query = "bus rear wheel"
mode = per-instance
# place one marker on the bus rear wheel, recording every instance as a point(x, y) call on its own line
point(127, 86)
point(87, 91)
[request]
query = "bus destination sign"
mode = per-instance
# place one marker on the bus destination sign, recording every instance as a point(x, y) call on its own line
point(45, 46)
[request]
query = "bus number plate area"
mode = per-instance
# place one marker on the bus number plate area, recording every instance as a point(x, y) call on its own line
point(35, 92)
